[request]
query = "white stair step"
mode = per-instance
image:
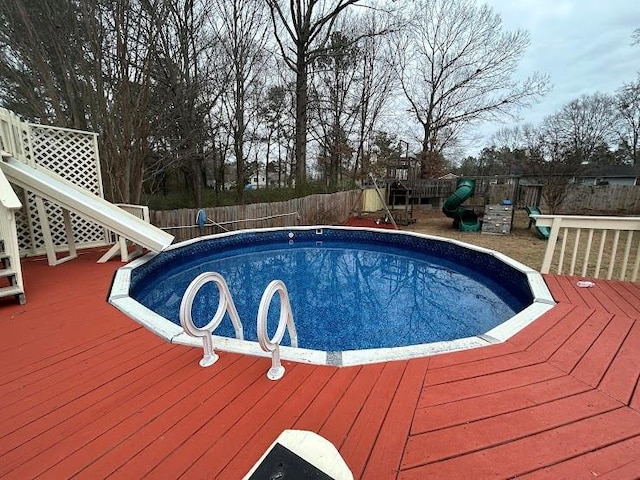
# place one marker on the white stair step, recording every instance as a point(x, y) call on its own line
point(7, 272)
point(8, 291)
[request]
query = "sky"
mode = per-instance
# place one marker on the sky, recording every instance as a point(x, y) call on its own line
point(584, 46)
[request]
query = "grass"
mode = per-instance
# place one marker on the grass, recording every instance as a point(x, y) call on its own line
point(522, 244)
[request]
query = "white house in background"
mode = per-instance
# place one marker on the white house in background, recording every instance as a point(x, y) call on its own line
point(609, 175)
point(258, 179)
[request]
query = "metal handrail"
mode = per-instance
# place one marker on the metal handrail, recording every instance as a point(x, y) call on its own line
point(286, 321)
point(224, 305)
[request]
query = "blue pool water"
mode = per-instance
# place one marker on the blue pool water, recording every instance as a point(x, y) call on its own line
point(349, 289)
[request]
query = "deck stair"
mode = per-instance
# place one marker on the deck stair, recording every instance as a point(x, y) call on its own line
point(10, 267)
point(9, 282)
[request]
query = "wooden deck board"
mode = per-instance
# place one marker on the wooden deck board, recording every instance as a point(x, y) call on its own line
point(22, 361)
point(216, 415)
point(497, 403)
point(574, 349)
point(108, 434)
point(260, 439)
point(220, 437)
point(555, 288)
point(344, 412)
point(451, 442)
point(477, 386)
point(554, 338)
point(60, 380)
point(621, 378)
point(362, 436)
point(98, 396)
point(631, 294)
point(581, 299)
point(386, 456)
point(527, 337)
point(52, 418)
point(597, 464)
point(596, 361)
point(472, 355)
point(609, 297)
point(479, 368)
point(74, 432)
point(127, 439)
point(536, 451)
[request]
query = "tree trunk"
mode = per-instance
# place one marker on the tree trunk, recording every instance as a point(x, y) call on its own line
point(302, 99)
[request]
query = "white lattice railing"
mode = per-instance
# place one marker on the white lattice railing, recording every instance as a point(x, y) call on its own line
point(591, 245)
point(72, 154)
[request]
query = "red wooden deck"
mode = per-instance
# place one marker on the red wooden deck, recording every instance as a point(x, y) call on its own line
point(86, 392)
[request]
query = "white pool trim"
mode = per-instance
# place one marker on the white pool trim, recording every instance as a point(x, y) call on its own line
point(169, 331)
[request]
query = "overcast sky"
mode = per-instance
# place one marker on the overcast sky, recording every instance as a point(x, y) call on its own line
point(583, 45)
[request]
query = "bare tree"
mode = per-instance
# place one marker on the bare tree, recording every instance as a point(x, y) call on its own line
point(85, 65)
point(275, 116)
point(581, 126)
point(302, 29)
point(571, 139)
point(376, 84)
point(125, 44)
point(555, 166)
point(241, 30)
point(457, 66)
point(44, 72)
point(334, 106)
point(628, 105)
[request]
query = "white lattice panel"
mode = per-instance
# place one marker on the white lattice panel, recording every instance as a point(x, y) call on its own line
point(69, 153)
point(73, 155)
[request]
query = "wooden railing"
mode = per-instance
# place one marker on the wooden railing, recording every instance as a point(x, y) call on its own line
point(11, 129)
point(616, 252)
point(9, 204)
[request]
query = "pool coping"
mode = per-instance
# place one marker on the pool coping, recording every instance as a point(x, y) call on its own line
point(542, 302)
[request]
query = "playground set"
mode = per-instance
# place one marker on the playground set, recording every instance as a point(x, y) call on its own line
point(479, 203)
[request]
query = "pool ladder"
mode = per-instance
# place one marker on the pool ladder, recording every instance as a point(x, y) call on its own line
point(226, 305)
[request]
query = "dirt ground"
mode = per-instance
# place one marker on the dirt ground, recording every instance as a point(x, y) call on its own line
point(521, 245)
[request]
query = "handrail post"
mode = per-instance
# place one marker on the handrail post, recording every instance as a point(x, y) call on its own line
point(551, 245)
point(286, 321)
point(206, 332)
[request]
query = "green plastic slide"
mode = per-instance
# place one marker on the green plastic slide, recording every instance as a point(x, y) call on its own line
point(463, 218)
point(543, 232)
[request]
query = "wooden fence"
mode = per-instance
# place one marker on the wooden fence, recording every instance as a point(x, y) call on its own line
point(321, 209)
point(585, 199)
point(580, 199)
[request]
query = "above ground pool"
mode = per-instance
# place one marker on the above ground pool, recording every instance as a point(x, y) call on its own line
point(357, 295)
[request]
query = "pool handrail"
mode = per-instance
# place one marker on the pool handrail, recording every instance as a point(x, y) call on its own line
point(285, 322)
point(225, 305)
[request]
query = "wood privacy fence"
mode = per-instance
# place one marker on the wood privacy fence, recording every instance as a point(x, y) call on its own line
point(321, 209)
point(582, 199)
